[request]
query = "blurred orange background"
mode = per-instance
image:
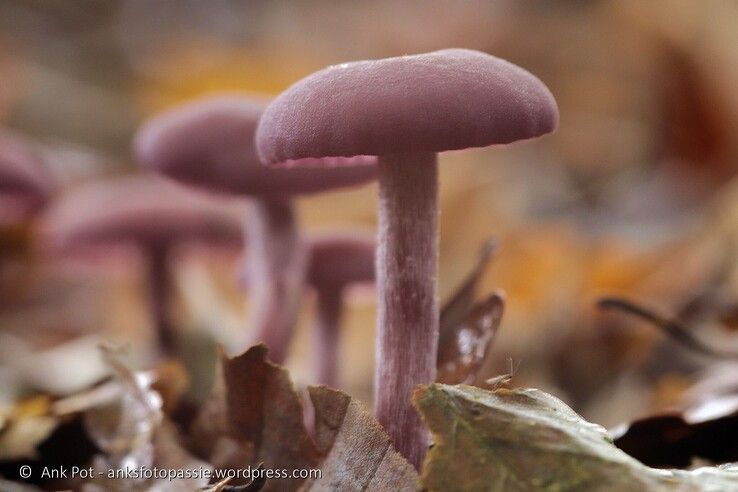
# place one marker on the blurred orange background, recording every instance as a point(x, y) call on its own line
point(633, 195)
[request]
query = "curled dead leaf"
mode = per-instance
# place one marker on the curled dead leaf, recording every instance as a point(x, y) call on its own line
point(456, 309)
point(358, 454)
point(464, 348)
point(255, 416)
point(706, 429)
point(468, 326)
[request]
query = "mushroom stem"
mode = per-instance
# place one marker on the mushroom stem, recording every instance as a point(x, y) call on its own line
point(327, 335)
point(160, 291)
point(407, 324)
point(277, 268)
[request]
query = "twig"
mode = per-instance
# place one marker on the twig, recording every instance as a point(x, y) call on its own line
point(672, 327)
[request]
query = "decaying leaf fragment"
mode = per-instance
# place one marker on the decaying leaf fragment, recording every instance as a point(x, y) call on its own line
point(463, 351)
point(358, 452)
point(458, 306)
point(467, 326)
point(527, 440)
point(256, 417)
point(706, 429)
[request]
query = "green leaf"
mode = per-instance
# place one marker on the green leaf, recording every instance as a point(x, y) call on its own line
point(527, 440)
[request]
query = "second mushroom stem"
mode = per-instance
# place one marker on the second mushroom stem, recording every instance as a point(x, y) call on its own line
point(327, 336)
point(160, 292)
point(407, 266)
point(277, 265)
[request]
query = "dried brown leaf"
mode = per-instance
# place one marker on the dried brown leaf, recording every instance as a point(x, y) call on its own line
point(457, 308)
point(465, 347)
point(706, 430)
point(358, 453)
point(467, 326)
point(255, 416)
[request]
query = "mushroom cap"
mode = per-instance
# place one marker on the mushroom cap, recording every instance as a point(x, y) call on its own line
point(445, 100)
point(21, 170)
point(341, 258)
point(146, 210)
point(210, 143)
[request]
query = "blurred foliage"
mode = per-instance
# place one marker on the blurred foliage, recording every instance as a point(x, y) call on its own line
point(626, 198)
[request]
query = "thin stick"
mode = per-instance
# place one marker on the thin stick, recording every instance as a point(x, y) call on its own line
point(673, 327)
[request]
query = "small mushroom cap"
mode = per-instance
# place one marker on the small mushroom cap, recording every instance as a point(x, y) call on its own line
point(444, 100)
point(341, 258)
point(21, 169)
point(145, 210)
point(210, 143)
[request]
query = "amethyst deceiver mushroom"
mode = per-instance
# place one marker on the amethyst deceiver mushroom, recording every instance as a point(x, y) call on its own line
point(147, 211)
point(337, 260)
point(210, 144)
point(25, 185)
point(405, 110)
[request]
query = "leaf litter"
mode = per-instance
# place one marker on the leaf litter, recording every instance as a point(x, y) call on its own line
point(527, 440)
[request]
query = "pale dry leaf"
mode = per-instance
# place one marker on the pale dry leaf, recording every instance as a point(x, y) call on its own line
point(255, 416)
point(456, 309)
point(358, 453)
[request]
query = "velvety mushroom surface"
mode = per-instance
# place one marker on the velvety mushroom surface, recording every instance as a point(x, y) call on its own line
point(209, 143)
point(404, 110)
point(445, 100)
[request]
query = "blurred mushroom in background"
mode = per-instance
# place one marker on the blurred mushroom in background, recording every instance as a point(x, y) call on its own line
point(337, 261)
point(25, 185)
point(209, 144)
point(149, 213)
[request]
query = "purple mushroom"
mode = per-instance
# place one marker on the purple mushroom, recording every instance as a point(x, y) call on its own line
point(337, 260)
point(25, 186)
point(405, 110)
point(147, 211)
point(210, 144)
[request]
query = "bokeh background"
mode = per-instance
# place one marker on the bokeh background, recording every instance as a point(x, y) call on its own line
point(633, 195)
